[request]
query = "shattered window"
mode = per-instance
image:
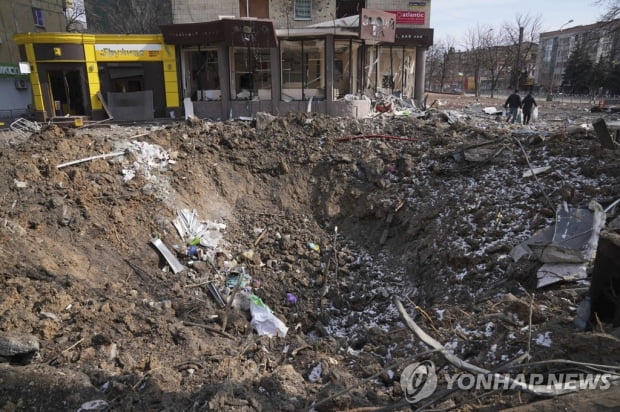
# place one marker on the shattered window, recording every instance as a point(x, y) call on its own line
point(390, 70)
point(250, 73)
point(303, 69)
point(345, 67)
point(202, 75)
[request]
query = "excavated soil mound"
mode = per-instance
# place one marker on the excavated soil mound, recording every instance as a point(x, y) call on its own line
point(329, 219)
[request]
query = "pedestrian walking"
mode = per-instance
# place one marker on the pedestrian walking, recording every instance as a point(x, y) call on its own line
point(528, 103)
point(513, 103)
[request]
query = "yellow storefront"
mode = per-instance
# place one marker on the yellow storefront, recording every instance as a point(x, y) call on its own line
point(135, 75)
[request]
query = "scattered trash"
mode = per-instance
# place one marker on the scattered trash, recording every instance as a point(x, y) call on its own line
point(291, 298)
point(550, 273)
point(544, 339)
point(583, 313)
point(86, 159)
point(233, 278)
point(174, 263)
point(195, 232)
point(25, 127)
point(264, 321)
point(572, 239)
point(314, 247)
point(19, 184)
point(315, 373)
point(536, 171)
point(216, 294)
point(492, 110)
point(567, 247)
point(96, 405)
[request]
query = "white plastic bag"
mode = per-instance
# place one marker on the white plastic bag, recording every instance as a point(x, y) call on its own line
point(535, 114)
point(264, 321)
point(519, 118)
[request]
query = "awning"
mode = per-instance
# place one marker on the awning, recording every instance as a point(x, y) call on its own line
point(231, 32)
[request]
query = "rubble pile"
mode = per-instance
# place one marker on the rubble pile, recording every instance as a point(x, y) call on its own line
point(253, 265)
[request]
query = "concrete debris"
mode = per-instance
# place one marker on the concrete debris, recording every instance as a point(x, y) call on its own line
point(18, 347)
point(573, 238)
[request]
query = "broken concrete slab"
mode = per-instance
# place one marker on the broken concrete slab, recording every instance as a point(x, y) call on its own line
point(550, 273)
point(604, 137)
point(573, 238)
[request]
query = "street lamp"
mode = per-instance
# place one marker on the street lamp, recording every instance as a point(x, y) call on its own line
point(568, 22)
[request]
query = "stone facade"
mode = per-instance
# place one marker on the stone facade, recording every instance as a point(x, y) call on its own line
point(194, 11)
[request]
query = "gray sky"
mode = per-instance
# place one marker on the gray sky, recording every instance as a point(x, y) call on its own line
point(455, 17)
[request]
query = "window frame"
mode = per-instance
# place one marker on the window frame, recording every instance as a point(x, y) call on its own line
point(306, 6)
point(37, 15)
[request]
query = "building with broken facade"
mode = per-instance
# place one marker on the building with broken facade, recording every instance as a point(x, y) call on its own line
point(600, 41)
point(76, 74)
point(281, 56)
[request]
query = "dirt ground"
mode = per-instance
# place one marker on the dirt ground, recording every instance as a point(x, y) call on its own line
point(327, 220)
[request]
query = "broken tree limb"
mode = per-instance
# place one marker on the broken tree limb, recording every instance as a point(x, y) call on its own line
point(210, 329)
point(541, 390)
point(542, 190)
point(87, 159)
point(375, 136)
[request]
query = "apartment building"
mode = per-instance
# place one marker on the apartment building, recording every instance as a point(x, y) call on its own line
point(18, 16)
point(600, 40)
point(237, 58)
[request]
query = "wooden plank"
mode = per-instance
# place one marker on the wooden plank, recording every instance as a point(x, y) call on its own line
point(105, 106)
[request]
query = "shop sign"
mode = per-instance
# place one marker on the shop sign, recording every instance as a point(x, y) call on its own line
point(10, 70)
point(128, 52)
point(377, 25)
point(409, 17)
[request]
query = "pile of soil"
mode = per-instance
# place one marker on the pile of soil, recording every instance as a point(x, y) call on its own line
point(329, 218)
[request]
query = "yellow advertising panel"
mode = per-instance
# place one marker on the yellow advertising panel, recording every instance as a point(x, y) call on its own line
point(128, 52)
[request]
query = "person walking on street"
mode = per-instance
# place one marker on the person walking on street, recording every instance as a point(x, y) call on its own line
point(513, 103)
point(527, 104)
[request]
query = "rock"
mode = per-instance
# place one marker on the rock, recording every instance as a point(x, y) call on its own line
point(263, 120)
point(18, 347)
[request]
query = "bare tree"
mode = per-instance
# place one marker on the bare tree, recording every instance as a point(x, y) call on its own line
point(439, 63)
point(522, 35)
point(76, 17)
point(477, 42)
point(494, 61)
point(128, 16)
point(612, 7)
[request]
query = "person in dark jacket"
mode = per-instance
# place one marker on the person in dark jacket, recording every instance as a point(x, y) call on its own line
point(527, 105)
point(513, 103)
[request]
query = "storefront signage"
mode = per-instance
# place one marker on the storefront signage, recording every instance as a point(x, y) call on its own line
point(128, 52)
point(10, 70)
point(414, 37)
point(377, 25)
point(409, 17)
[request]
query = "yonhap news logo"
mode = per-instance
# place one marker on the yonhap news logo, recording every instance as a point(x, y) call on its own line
point(419, 381)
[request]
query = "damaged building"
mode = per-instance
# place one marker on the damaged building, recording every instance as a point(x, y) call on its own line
point(225, 62)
